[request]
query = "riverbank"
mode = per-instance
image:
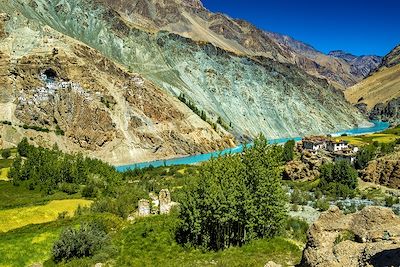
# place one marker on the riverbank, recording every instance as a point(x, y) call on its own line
point(378, 126)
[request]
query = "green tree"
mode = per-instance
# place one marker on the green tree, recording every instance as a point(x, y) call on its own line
point(23, 147)
point(288, 151)
point(339, 179)
point(365, 155)
point(6, 153)
point(235, 199)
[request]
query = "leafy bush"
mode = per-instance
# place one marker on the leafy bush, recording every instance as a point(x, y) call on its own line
point(296, 229)
point(6, 153)
point(322, 205)
point(391, 200)
point(344, 236)
point(79, 243)
point(59, 131)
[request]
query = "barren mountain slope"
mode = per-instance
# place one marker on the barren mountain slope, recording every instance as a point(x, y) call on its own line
point(251, 95)
point(381, 86)
point(52, 81)
point(190, 19)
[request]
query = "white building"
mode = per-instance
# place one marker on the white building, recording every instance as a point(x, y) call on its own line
point(334, 146)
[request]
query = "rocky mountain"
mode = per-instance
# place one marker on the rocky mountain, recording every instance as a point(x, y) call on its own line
point(190, 19)
point(361, 66)
point(379, 94)
point(370, 237)
point(101, 73)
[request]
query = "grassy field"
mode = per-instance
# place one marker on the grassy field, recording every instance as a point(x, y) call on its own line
point(18, 196)
point(362, 140)
point(18, 217)
point(151, 242)
point(28, 245)
point(4, 174)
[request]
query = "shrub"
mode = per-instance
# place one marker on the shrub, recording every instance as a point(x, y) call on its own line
point(296, 229)
point(322, 205)
point(79, 243)
point(69, 188)
point(23, 147)
point(59, 131)
point(89, 191)
point(6, 153)
point(345, 235)
point(391, 200)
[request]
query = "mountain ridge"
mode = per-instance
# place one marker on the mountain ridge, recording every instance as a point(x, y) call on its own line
point(283, 101)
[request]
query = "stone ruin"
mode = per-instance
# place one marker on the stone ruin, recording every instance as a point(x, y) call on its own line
point(160, 204)
point(143, 208)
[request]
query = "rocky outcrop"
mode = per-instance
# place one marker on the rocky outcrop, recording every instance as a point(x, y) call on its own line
point(305, 169)
point(365, 238)
point(383, 171)
point(389, 111)
point(391, 59)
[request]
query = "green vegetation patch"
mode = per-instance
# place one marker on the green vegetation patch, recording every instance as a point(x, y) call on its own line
point(28, 245)
point(151, 242)
point(17, 196)
point(344, 236)
point(15, 218)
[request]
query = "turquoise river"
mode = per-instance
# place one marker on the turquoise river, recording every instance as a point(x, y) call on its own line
point(378, 127)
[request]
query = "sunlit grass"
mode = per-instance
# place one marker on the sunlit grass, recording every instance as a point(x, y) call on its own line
point(362, 140)
point(4, 174)
point(18, 217)
point(28, 245)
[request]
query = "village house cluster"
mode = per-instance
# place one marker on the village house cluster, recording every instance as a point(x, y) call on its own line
point(337, 150)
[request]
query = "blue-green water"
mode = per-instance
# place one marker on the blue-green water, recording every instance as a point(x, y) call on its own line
point(378, 127)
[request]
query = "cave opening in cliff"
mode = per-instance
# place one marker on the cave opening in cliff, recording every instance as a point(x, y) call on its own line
point(51, 74)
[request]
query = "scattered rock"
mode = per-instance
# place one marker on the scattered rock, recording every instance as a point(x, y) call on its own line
point(356, 239)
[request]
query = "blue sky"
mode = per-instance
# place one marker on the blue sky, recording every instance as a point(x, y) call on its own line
point(359, 27)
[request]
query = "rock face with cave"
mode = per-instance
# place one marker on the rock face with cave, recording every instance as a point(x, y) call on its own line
point(364, 238)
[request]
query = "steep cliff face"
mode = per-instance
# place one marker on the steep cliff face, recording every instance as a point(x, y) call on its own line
point(379, 93)
point(252, 95)
point(191, 19)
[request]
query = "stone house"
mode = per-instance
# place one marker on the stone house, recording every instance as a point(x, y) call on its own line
point(334, 146)
point(314, 143)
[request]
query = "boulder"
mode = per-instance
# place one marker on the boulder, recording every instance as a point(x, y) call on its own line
point(358, 239)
